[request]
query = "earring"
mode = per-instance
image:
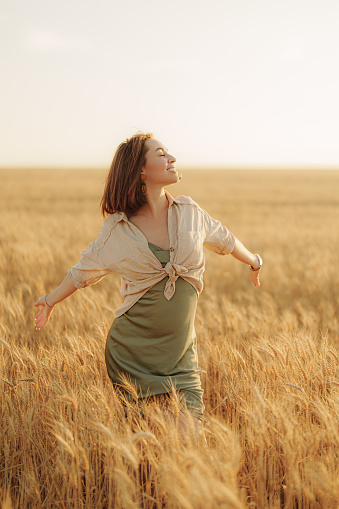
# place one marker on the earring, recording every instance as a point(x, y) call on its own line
point(143, 177)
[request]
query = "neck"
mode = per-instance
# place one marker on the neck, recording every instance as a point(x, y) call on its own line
point(156, 204)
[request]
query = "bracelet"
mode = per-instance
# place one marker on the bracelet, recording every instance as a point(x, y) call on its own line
point(47, 303)
point(260, 263)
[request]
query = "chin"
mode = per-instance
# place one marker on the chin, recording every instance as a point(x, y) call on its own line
point(173, 180)
point(174, 176)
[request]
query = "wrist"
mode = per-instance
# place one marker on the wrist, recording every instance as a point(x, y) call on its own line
point(48, 303)
point(257, 263)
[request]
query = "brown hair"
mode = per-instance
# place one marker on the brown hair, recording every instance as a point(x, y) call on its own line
point(124, 189)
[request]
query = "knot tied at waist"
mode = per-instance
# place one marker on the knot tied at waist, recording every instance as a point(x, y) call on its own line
point(173, 270)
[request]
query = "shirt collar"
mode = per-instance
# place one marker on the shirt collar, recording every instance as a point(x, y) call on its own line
point(121, 216)
point(170, 198)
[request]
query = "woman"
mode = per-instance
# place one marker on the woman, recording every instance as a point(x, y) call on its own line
point(155, 242)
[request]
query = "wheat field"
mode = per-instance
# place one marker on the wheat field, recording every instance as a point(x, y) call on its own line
point(268, 355)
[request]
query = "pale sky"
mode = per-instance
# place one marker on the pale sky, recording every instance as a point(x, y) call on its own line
point(219, 82)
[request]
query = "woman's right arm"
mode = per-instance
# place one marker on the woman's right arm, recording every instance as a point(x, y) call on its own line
point(47, 302)
point(96, 262)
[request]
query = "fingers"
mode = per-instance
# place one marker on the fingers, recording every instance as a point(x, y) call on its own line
point(39, 324)
point(255, 278)
point(39, 312)
point(41, 319)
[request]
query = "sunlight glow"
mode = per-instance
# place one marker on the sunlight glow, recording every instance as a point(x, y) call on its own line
point(223, 83)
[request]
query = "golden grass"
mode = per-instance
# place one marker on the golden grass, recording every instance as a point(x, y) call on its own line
point(269, 356)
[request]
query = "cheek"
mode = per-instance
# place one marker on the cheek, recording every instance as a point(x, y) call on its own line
point(156, 167)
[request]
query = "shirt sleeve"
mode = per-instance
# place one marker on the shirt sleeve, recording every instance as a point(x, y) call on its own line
point(91, 267)
point(217, 237)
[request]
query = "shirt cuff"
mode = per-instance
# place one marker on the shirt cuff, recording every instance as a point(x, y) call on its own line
point(74, 281)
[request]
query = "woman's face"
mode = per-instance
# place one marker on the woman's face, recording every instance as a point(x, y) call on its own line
point(160, 165)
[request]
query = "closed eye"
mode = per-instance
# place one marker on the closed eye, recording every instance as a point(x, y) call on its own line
point(162, 151)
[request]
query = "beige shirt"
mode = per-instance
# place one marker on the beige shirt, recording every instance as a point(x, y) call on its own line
point(122, 248)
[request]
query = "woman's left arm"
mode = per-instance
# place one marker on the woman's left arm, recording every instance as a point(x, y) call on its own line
point(221, 241)
point(244, 255)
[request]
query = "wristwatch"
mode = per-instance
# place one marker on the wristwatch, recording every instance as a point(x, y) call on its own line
point(260, 263)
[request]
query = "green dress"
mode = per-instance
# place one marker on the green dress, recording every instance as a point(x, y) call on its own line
point(154, 344)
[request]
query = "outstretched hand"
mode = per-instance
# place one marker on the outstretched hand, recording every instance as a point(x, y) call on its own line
point(44, 313)
point(255, 277)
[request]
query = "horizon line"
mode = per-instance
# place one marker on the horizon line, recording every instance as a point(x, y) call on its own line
point(181, 168)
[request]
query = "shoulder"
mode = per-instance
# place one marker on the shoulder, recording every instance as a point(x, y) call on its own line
point(107, 228)
point(184, 200)
point(112, 220)
point(187, 200)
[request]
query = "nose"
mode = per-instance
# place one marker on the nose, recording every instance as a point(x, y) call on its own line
point(171, 158)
